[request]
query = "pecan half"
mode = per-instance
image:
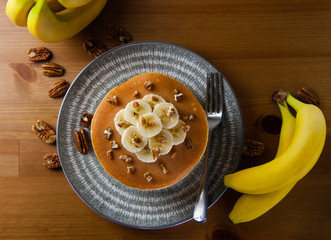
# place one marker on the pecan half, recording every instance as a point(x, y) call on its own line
point(52, 161)
point(307, 95)
point(51, 69)
point(252, 148)
point(94, 47)
point(81, 141)
point(118, 34)
point(86, 120)
point(39, 54)
point(58, 89)
point(44, 132)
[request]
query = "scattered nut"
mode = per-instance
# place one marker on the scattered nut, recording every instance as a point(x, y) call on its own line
point(113, 145)
point(189, 144)
point(148, 176)
point(156, 152)
point(252, 148)
point(110, 154)
point(94, 47)
point(107, 133)
point(51, 69)
point(136, 94)
point(81, 141)
point(112, 100)
point(164, 169)
point(122, 123)
point(162, 139)
point(307, 95)
point(39, 54)
point(86, 120)
point(118, 34)
point(129, 169)
point(143, 121)
point(52, 161)
point(192, 117)
point(125, 158)
point(177, 95)
point(58, 89)
point(170, 112)
point(135, 104)
point(148, 85)
point(44, 132)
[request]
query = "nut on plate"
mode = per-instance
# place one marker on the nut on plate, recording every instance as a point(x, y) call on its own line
point(39, 54)
point(81, 141)
point(51, 69)
point(252, 148)
point(52, 161)
point(44, 132)
point(58, 89)
point(86, 120)
point(94, 47)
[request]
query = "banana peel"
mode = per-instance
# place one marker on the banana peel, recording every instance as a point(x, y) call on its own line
point(54, 20)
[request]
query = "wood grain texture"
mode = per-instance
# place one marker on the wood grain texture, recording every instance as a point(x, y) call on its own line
point(260, 46)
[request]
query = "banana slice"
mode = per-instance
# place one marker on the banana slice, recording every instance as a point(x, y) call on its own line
point(132, 140)
point(161, 143)
point(167, 113)
point(179, 132)
point(146, 155)
point(134, 109)
point(120, 123)
point(149, 125)
point(153, 99)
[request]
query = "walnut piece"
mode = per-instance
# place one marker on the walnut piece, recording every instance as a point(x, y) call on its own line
point(118, 34)
point(58, 89)
point(39, 54)
point(307, 95)
point(252, 148)
point(51, 69)
point(129, 169)
point(148, 176)
point(94, 47)
point(86, 120)
point(177, 95)
point(52, 161)
point(81, 141)
point(148, 85)
point(44, 132)
point(113, 145)
point(107, 133)
point(112, 100)
point(125, 158)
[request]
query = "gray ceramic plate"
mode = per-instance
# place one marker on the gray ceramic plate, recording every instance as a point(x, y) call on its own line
point(131, 207)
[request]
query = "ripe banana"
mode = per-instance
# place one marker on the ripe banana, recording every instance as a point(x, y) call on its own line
point(73, 3)
point(120, 123)
point(134, 109)
point(53, 27)
point(251, 206)
point(162, 142)
point(288, 168)
point(132, 140)
point(167, 113)
point(178, 133)
point(18, 10)
point(149, 125)
point(153, 99)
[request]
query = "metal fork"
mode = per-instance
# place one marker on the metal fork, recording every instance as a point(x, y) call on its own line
point(214, 112)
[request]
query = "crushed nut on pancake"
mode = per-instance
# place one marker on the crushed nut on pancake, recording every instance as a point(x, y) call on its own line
point(110, 154)
point(148, 85)
point(136, 94)
point(114, 144)
point(129, 169)
point(107, 133)
point(177, 95)
point(164, 169)
point(112, 100)
point(148, 176)
point(125, 158)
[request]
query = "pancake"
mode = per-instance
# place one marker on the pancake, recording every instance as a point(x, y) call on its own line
point(167, 169)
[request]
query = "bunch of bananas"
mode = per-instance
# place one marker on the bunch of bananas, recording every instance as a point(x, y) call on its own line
point(54, 20)
point(301, 143)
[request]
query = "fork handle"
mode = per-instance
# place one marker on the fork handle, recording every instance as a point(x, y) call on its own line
point(201, 205)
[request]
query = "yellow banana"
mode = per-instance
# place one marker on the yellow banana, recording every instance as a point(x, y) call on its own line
point(54, 27)
point(251, 206)
point(288, 168)
point(73, 3)
point(18, 10)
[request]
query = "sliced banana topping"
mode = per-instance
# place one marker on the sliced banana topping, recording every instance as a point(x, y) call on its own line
point(179, 132)
point(149, 125)
point(153, 99)
point(134, 109)
point(167, 113)
point(120, 123)
point(161, 143)
point(132, 140)
point(146, 155)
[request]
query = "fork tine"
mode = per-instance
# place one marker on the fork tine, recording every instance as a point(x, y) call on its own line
point(220, 90)
point(208, 94)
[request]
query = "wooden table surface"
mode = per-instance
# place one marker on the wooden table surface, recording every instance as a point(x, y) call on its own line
point(260, 46)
